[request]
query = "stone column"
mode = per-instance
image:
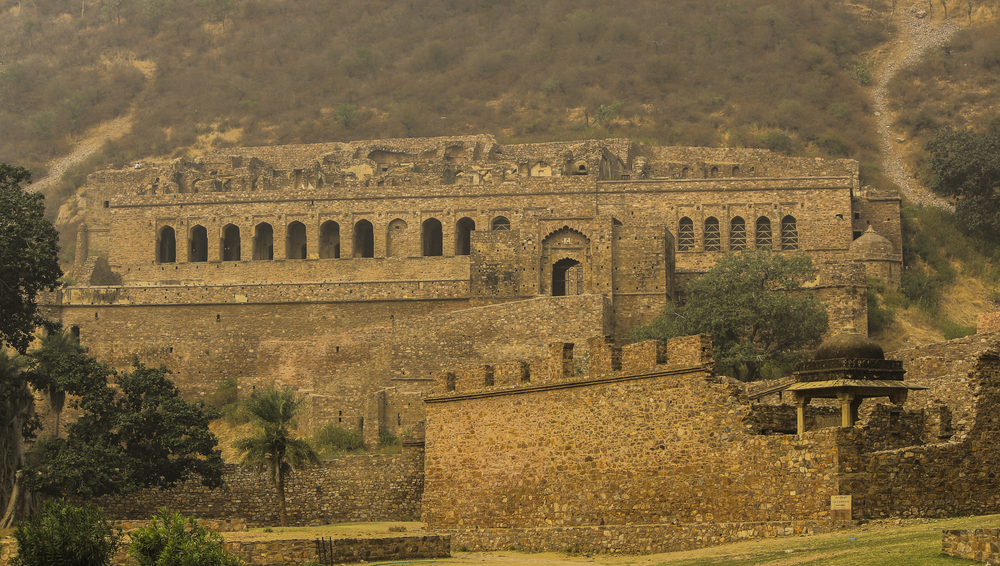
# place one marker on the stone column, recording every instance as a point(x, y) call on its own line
point(800, 412)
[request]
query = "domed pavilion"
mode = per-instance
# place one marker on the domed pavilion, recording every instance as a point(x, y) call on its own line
point(849, 367)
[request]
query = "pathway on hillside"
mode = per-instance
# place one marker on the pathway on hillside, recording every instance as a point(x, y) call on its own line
point(91, 141)
point(916, 35)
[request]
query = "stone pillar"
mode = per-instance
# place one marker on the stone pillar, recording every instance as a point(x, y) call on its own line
point(846, 414)
point(561, 360)
point(800, 412)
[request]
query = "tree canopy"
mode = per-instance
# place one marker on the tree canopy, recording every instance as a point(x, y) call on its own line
point(140, 434)
point(966, 165)
point(29, 264)
point(273, 449)
point(753, 305)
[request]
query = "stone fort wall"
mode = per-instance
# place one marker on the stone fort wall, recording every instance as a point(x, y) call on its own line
point(339, 268)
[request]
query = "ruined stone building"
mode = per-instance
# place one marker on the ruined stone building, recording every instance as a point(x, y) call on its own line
point(355, 271)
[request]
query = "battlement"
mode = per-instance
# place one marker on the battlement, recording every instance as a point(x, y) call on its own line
point(606, 362)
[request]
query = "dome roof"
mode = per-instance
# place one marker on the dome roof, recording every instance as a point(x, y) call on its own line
point(871, 243)
point(849, 345)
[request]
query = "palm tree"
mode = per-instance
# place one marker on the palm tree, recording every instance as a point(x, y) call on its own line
point(273, 449)
point(52, 349)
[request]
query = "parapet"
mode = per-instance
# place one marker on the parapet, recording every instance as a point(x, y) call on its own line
point(605, 362)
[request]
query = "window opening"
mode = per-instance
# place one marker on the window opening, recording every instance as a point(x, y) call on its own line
point(167, 248)
point(500, 223)
point(463, 236)
point(329, 240)
point(231, 243)
point(263, 242)
point(685, 235)
point(789, 233)
point(364, 239)
point(737, 234)
point(713, 240)
point(763, 233)
point(198, 250)
point(295, 242)
point(431, 238)
point(396, 239)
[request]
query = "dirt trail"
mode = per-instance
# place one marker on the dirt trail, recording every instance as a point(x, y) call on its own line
point(915, 36)
point(92, 141)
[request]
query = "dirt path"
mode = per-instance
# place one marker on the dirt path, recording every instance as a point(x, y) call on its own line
point(916, 35)
point(92, 141)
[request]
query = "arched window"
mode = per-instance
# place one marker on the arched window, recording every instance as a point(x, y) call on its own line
point(714, 172)
point(263, 242)
point(364, 239)
point(198, 244)
point(396, 239)
point(685, 235)
point(166, 246)
point(231, 243)
point(431, 238)
point(789, 234)
point(295, 241)
point(736, 170)
point(500, 223)
point(737, 234)
point(763, 233)
point(567, 278)
point(463, 236)
point(329, 240)
point(713, 240)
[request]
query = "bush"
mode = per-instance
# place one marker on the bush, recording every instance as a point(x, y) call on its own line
point(879, 317)
point(66, 534)
point(332, 438)
point(172, 539)
point(386, 439)
point(954, 330)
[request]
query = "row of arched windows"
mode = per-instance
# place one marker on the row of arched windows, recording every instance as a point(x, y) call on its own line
point(328, 246)
point(760, 234)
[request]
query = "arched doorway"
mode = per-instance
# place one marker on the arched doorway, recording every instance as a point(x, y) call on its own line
point(329, 240)
point(567, 278)
point(431, 238)
point(364, 239)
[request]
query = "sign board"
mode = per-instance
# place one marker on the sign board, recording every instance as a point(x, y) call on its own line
point(840, 507)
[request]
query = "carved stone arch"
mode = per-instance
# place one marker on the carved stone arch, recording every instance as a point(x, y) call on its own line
point(197, 243)
point(166, 245)
point(566, 263)
point(397, 239)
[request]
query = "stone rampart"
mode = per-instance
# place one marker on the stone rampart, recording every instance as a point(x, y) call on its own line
point(520, 447)
point(351, 489)
point(973, 544)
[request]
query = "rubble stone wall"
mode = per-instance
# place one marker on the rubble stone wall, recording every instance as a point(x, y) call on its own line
point(973, 544)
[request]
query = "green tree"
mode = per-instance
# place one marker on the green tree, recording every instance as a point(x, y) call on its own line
point(16, 424)
point(65, 534)
point(273, 449)
point(753, 305)
point(966, 165)
point(139, 434)
point(174, 540)
point(29, 264)
point(53, 347)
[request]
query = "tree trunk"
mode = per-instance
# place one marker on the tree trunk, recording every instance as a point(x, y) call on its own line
point(281, 498)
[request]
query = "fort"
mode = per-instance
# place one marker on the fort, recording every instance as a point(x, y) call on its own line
point(354, 272)
point(481, 296)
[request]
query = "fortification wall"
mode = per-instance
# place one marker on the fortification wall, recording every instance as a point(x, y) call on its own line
point(941, 479)
point(658, 442)
point(972, 544)
point(351, 489)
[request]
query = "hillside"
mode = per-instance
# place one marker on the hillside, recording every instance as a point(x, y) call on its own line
point(95, 85)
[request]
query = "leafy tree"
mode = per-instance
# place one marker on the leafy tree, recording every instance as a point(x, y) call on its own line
point(16, 424)
point(29, 261)
point(753, 305)
point(138, 435)
point(53, 347)
point(65, 534)
point(273, 449)
point(966, 165)
point(174, 540)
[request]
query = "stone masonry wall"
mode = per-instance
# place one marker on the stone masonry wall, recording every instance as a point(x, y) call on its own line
point(352, 489)
point(957, 477)
point(975, 544)
point(660, 442)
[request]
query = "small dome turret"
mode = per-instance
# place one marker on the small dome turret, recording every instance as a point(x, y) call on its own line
point(849, 345)
point(871, 243)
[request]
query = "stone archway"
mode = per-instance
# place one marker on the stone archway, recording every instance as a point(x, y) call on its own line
point(566, 263)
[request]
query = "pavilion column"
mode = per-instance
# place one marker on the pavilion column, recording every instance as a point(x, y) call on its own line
point(800, 412)
point(847, 413)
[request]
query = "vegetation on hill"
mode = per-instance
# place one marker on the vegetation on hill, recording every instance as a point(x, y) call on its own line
point(784, 74)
